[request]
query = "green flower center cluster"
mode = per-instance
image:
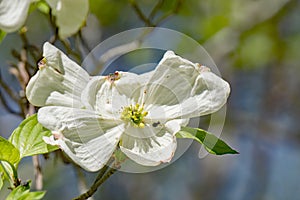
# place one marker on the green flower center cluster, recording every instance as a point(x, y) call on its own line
point(135, 115)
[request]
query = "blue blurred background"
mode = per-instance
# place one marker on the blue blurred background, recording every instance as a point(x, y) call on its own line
point(256, 46)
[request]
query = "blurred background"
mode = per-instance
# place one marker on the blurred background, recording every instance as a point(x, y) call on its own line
point(256, 46)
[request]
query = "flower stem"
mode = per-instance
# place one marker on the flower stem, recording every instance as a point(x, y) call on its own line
point(97, 183)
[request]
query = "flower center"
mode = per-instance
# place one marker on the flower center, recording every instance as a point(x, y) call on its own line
point(135, 115)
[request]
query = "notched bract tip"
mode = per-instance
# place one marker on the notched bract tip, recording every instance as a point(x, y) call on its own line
point(113, 77)
point(42, 63)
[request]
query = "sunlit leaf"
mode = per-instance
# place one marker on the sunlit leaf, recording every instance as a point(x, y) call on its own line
point(28, 138)
point(1, 179)
point(2, 35)
point(43, 7)
point(8, 151)
point(22, 192)
point(212, 144)
point(6, 171)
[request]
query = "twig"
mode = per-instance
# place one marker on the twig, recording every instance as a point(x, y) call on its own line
point(102, 176)
point(83, 42)
point(175, 10)
point(24, 73)
point(111, 53)
point(140, 14)
point(82, 185)
point(69, 49)
point(37, 173)
point(95, 186)
point(7, 107)
point(103, 170)
point(155, 9)
point(28, 48)
point(13, 95)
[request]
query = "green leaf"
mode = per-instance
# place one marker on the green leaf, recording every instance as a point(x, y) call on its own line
point(28, 138)
point(211, 143)
point(1, 179)
point(22, 192)
point(43, 7)
point(18, 192)
point(2, 35)
point(33, 195)
point(8, 152)
point(8, 172)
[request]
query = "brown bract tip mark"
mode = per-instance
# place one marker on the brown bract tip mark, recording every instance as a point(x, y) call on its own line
point(42, 63)
point(57, 135)
point(202, 68)
point(113, 77)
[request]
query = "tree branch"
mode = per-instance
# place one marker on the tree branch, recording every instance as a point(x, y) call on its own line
point(96, 184)
point(82, 185)
point(140, 14)
point(175, 10)
point(37, 172)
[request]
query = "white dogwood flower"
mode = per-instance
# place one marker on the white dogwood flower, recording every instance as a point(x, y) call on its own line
point(13, 14)
point(70, 15)
point(91, 116)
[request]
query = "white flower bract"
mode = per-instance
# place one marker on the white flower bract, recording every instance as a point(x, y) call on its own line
point(13, 14)
point(70, 15)
point(91, 116)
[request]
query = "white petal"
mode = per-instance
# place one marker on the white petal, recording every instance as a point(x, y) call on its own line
point(173, 126)
point(182, 89)
point(149, 151)
point(60, 81)
point(109, 97)
point(70, 15)
point(83, 135)
point(51, 140)
point(13, 14)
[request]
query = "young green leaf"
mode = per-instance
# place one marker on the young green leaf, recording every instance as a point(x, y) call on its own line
point(8, 172)
point(18, 192)
point(22, 192)
point(43, 7)
point(211, 143)
point(33, 195)
point(8, 152)
point(1, 179)
point(28, 138)
point(2, 35)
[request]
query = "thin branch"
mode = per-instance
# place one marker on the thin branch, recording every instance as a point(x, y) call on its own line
point(38, 175)
point(174, 11)
point(30, 49)
point(103, 170)
point(82, 185)
point(153, 12)
point(23, 70)
point(111, 53)
point(140, 14)
point(7, 107)
point(96, 185)
point(8, 90)
point(83, 42)
point(69, 49)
